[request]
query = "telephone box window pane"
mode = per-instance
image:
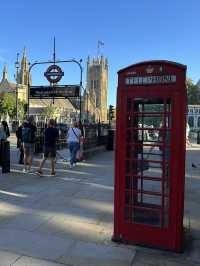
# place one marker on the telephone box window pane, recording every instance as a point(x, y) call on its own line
point(152, 200)
point(146, 216)
point(191, 121)
point(150, 185)
point(149, 120)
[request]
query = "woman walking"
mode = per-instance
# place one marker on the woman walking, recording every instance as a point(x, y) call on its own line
point(73, 140)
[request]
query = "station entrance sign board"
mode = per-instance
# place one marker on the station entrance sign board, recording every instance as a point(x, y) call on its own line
point(65, 91)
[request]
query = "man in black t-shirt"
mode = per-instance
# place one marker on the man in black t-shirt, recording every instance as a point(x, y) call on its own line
point(20, 144)
point(50, 137)
point(28, 138)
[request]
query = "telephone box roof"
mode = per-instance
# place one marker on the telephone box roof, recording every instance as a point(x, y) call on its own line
point(154, 62)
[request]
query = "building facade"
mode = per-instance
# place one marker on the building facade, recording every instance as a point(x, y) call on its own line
point(96, 94)
point(194, 116)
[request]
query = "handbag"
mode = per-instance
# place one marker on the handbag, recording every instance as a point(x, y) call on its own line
point(76, 135)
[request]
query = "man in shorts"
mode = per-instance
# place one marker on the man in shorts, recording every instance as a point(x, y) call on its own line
point(51, 135)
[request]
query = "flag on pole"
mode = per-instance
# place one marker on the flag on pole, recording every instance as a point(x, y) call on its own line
point(100, 43)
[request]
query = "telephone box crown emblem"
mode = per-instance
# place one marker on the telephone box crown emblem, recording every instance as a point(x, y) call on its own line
point(149, 69)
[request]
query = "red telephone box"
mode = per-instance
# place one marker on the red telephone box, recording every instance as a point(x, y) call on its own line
point(150, 155)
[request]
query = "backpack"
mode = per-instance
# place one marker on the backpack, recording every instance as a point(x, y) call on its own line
point(26, 135)
point(7, 132)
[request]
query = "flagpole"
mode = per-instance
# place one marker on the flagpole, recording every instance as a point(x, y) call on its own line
point(98, 49)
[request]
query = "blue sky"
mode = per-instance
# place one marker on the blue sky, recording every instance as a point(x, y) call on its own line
point(131, 30)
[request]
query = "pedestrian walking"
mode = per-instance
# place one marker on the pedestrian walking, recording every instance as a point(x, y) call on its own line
point(188, 143)
point(20, 144)
point(2, 133)
point(28, 138)
point(51, 135)
point(6, 128)
point(73, 140)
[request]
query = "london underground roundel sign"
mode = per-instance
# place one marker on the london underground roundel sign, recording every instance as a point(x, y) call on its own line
point(54, 74)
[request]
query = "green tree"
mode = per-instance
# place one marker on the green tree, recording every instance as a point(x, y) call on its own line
point(192, 92)
point(21, 109)
point(8, 105)
point(50, 111)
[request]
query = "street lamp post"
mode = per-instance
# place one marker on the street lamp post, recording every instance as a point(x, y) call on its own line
point(17, 69)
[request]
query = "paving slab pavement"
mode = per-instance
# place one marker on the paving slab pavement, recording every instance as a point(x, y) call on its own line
point(68, 219)
point(8, 258)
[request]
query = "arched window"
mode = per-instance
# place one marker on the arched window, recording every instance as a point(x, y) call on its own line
point(191, 121)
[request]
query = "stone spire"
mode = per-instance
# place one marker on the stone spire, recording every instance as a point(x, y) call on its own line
point(23, 73)
point(5, 73)
point(24, 63)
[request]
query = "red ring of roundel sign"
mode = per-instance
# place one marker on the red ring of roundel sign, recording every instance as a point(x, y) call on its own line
point(49, 69)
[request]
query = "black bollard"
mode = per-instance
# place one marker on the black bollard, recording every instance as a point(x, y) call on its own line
point(110, 140)
point(198, 137)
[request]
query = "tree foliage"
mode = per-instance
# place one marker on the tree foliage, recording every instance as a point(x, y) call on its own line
point(7, 105)
point(21, 109)
point(192, 92)
point(50, 111)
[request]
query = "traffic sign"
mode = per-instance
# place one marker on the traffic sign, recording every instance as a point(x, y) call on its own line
point(54, 74)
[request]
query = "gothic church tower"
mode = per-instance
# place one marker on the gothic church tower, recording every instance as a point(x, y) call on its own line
point(23, 74)
point(23, 77)
point(97, 86)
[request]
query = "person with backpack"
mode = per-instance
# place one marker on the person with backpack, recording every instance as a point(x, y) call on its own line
point(51, 135)
point(28, 138)
point(20, 144)
point(73, 139)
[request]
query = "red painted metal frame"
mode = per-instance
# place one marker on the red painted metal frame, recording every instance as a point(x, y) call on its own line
point(170, 236)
